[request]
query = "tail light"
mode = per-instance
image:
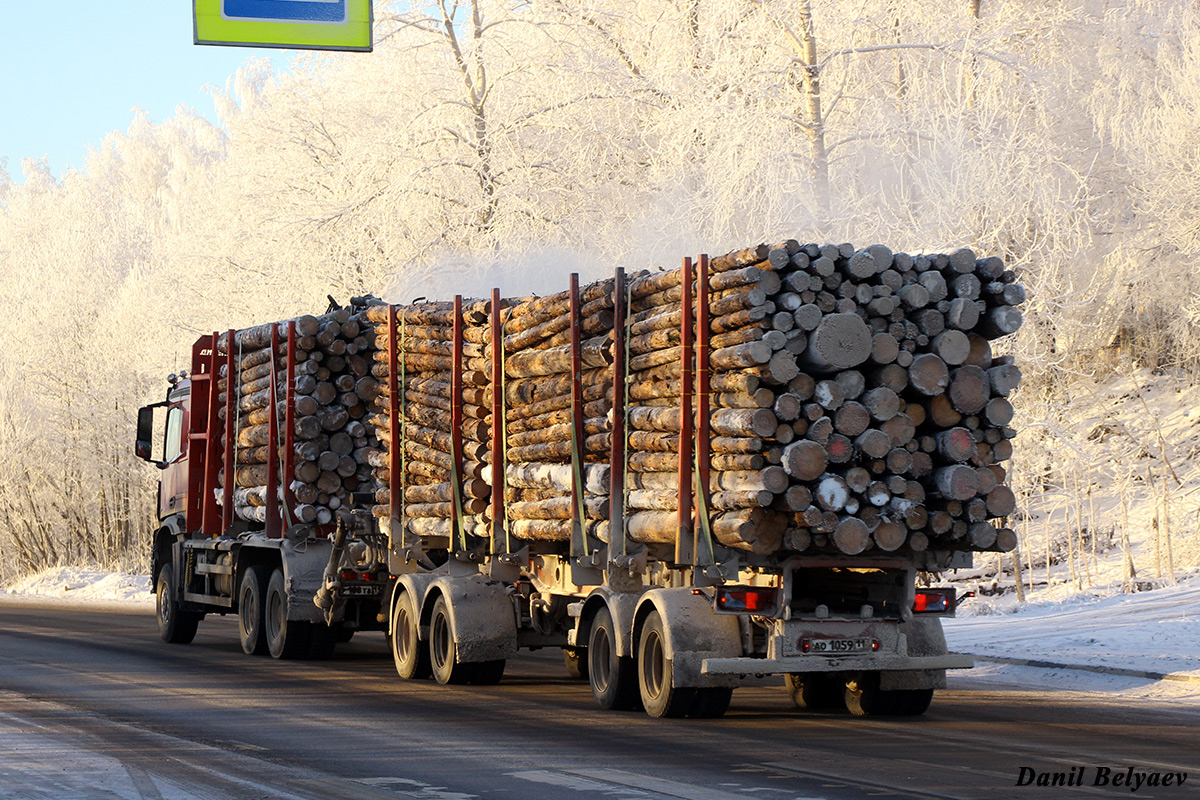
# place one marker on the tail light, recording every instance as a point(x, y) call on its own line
point(748, 599)
point(934, 601)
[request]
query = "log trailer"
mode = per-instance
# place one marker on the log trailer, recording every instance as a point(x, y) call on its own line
point(681, 479)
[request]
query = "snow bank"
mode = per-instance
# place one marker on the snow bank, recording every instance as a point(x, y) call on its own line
point(76, 585)
point(1156, 631)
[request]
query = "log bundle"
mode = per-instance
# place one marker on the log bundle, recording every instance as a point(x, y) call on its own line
point(840, 400)
point(875, 370)
point(445, 473)
point(331, 391)
point(550, 423)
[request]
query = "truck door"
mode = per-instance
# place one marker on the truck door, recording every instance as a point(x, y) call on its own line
point(172, 495)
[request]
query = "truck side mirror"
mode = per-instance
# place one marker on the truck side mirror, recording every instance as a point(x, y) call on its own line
point(144, 445)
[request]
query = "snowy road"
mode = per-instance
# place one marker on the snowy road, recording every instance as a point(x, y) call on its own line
point(92, 705)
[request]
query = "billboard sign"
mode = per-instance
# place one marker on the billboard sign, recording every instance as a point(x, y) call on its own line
point(302, 24)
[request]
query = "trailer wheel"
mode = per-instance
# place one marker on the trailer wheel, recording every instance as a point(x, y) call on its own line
point(613, 678)
point(813, 691)
point(411, 659)
point(250, 610)
point(285, 639)
point(489, 673)
point(175, 626)
point(914, 702)
point(864, 698)
point(576, 661)
point(322, 641)
point(442, 652)
point(660, 697)
point(711, 702)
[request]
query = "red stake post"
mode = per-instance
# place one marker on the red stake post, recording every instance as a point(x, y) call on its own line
point(684, 553)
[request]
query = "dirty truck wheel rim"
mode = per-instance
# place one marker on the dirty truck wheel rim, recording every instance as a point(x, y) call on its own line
point(164, 605)
point(602, 660)
point(403, 634)
point(274, 616)
point(653, 663)
point(441, 640)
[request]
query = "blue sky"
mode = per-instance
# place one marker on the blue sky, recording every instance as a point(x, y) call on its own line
point(72, 70)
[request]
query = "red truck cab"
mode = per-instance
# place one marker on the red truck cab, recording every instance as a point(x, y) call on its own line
point(172, 487)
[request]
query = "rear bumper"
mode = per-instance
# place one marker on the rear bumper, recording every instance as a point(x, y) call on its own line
point(798, 664)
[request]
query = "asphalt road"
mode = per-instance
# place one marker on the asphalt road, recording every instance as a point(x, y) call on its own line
point(93, 705)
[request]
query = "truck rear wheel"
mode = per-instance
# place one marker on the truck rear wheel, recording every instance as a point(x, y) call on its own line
point(660, 697)
point(250, 610)
point(613, 678)
point(284, 639)
point(489, 673)
point(914, 702)
point(814, 691)
point(443, 653)
point(175, 626)
point(411, 659)
point(864, 698)
point(710, 702)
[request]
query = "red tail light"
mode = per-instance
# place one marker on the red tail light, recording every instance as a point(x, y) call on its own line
point(933, 601)
point(751, 599)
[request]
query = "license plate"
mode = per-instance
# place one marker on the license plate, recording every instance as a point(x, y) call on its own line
point(360, 591)
point(829, 647)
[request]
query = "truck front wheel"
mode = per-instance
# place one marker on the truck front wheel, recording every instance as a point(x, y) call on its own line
point(175, 626)
point(284, 639)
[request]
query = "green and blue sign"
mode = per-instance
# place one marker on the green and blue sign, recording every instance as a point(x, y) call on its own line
point(303, 24)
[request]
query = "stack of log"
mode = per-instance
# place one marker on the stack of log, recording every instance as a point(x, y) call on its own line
point(424, 344)
point(332, 391)
point(539, 410)
point(855, 393)
point(855, 406)
point(744, 423)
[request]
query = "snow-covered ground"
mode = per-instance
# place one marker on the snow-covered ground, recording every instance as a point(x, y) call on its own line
point(76, 585)
point(1109, 633)
point(1101, 629)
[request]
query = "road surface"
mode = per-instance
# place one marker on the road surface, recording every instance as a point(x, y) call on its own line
point(94, 706)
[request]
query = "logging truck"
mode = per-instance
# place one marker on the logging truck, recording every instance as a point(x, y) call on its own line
point(680, 478)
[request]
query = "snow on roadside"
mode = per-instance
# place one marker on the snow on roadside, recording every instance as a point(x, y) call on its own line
point(1156, 631)
point(79, 586)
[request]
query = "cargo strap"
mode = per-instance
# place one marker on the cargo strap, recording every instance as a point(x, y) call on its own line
point(705, 538)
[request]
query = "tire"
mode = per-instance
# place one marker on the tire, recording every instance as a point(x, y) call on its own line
point(443, 653)
point(711, 702)
point(489, 673)
point(864, 698)
point(408, 654)
point(175, 626)
point(251, 597)
point(322, 641)
point(914, 702)
point(285, 639)
point(613, 678)
point(815, 691)
point(660, 697)
point(343, 635)
point(576, 661)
